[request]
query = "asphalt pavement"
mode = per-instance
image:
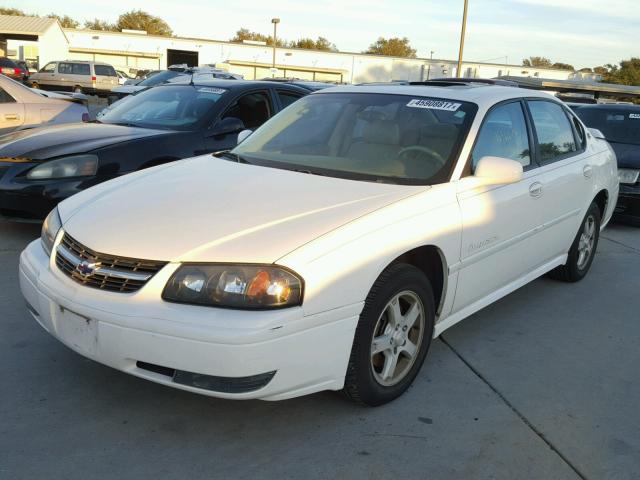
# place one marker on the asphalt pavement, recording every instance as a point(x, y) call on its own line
point(543, 384)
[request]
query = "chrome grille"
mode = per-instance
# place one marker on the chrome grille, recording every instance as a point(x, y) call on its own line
point(102, 271)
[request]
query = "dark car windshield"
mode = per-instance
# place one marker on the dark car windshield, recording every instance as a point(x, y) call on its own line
point(619, 125)
point(167, 107)
point(158, 78)
point(365, 136)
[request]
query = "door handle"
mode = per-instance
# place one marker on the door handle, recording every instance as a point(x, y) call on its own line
point(11, 116)
point(535, 189)
point(587, 171)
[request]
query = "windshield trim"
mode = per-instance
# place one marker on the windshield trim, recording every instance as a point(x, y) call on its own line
point(444, 176)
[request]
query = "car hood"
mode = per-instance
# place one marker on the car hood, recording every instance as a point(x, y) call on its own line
point(628, 154)
point(212, 210)
point(66, 139)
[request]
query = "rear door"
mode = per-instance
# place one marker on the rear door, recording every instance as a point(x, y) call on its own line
point(106, 77)
point(287, 97)
point(11, 113)
point(568, 180)
point(499, 221)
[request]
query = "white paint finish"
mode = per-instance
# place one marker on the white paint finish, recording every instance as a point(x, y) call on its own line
point(339, 235)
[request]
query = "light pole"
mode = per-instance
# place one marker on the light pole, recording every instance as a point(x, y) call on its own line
point(275, 22)
point(429, 68)
point(464, 29)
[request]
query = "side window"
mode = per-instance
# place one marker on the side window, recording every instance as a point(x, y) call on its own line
point(253, 109)
point(48, 68)
point(65, 68)
point(5, 97)
point(504, 134)
point(554, 132)
point(81, 69)
point(287, 98)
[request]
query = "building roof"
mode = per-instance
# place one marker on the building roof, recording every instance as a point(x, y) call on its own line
point(12, 24)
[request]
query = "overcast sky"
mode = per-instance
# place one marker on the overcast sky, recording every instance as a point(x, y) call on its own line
point(579, 32)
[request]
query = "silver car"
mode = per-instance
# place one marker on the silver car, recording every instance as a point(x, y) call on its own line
point(78, 76)
point(21, 107)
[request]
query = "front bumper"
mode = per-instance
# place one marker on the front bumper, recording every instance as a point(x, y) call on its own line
point(628, 206)
point(174, 344)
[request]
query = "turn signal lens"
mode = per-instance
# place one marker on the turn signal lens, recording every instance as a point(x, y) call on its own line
point(235, 286)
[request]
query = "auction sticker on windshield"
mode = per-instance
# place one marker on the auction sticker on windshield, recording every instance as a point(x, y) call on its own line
point(635, 116)
point(434, 104)
point(219, 91)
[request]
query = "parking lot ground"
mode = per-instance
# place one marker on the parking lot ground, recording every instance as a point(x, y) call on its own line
point(541, 385)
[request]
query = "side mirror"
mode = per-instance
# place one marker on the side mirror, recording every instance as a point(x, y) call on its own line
point(226, 126)
point(597, 133)
point(498, 171)
point(243, 135)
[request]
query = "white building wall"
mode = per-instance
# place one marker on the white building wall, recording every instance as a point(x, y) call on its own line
point(150, 52)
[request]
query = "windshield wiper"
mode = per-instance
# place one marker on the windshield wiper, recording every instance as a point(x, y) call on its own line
point(233, 156)
point(308, 172)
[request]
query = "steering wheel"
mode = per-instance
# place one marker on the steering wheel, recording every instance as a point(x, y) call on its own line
point(418, 149)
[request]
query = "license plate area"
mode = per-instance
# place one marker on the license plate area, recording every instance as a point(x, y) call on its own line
point(80, 332)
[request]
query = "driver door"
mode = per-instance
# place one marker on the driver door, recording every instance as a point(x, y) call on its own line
point(499, 221)
point(11, 113)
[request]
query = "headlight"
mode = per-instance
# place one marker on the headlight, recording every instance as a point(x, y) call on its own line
point(234, 286)
point(76, 166)
point(50, 229)
point(628, 175)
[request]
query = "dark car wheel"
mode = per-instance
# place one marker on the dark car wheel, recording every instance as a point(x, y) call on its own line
point(392, 337)
point(583, 248)
point(77, 89)
point(35, 85)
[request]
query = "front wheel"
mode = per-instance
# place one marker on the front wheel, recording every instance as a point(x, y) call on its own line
point(583, 248)
point(392, 337)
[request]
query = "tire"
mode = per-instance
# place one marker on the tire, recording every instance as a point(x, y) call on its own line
point(35, 85)
point(577, 267)
point(77, 89)
point(368, 380)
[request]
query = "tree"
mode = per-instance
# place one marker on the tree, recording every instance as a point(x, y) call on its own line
point(65, 21)
point(139, 20)
point(246, 34)
point(536, 62)
point(600, 70)
point(626, 73)
point(320, 44)
point(563, 66)
point(393, 47)
point(97, 24)
point(12, 11)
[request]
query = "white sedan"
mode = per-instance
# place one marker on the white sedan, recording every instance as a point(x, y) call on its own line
point(23, 107)
point(327, 249)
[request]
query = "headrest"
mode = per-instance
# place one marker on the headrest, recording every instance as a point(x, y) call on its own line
point(385, 132)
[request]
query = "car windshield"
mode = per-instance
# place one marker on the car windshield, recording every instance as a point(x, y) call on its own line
point(158, 78)
point(364, 136)
point(166, 107)
point(619, 125)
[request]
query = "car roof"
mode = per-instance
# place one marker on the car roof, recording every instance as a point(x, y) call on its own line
point(475, 93)
point(185, 79)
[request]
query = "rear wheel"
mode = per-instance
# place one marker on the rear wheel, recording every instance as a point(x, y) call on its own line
point(35, 85)
point(583, 248)
point(77, 89)
point(392, 337)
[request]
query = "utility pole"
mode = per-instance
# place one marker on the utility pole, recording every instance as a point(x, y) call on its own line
point(275, 22)
point(429, 69)
point(462, 33)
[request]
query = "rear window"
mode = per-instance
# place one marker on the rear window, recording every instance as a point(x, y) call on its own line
point(105, 70)
point(5, 62)
point(618, 125)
